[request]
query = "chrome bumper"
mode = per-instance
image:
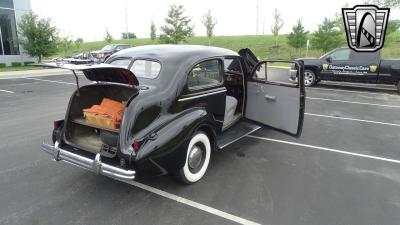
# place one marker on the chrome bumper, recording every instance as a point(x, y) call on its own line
point(95, 165)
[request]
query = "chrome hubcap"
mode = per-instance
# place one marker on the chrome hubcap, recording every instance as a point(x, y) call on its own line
point(308, 78)
point(195, 157)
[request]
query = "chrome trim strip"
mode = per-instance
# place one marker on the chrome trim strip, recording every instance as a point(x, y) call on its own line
point(95, 165)
point(237, 139)
point(200, 96)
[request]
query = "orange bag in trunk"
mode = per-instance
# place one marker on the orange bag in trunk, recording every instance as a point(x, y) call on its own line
point(108, 114)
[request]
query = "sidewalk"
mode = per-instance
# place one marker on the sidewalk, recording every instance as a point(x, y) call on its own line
point(33, 73)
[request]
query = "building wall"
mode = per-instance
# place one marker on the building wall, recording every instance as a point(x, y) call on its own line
point(21, 7)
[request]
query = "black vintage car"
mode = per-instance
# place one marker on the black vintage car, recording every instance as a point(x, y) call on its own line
point(182, 103)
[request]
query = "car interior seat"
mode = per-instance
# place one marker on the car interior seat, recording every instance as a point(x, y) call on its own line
point(230, 108)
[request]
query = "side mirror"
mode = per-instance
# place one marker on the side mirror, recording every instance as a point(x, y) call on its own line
point(329, 59)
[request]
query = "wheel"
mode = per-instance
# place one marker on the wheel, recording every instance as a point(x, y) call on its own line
point(197, 159)
point(309, 78)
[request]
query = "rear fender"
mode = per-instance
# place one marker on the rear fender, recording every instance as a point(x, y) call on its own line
point(168, 144)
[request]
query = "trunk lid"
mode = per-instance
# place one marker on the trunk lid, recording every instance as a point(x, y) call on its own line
point(109, 73)
point(99, 72)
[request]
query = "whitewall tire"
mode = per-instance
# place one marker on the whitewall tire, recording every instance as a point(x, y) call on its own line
point(198, 155)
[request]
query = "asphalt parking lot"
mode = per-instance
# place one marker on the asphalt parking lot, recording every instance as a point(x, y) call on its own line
point(344, 169)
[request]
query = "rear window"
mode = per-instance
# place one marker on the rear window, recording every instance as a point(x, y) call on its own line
point(146, 68)
point(121, 63)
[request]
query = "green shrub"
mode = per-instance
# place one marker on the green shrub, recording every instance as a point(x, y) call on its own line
point(28, 62)
point(15, 64)
point(2, 65)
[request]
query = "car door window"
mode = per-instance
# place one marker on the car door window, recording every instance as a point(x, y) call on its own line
point(341, 55)
point(276, 72)
point(205, 74)
point(364, 56)
point(232, 65)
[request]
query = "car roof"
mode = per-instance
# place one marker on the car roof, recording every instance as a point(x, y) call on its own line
point(187, 54)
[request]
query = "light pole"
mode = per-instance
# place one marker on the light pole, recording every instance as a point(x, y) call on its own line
point(126, 21)
point(1, 42)
point(257, 18)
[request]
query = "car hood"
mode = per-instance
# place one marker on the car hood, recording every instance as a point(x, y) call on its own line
point(100, 72)
point(308, 59)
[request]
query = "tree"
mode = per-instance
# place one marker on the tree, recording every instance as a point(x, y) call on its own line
point(108, 38)
point(38, 36)
point(78, 42)
point(339, 20)
point(385, 3)
point(128, 35)
point(66, 43)
point(153, 31)
point(327, 37)
point(278, 24)
point(392, 26)
point(177, 26)
point(209, 22)
point(298, 37)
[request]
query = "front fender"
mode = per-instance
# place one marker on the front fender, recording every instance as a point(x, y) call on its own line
point(168, 145)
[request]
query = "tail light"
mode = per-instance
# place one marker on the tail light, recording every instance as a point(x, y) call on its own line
point(58, 124)
point(136, 145)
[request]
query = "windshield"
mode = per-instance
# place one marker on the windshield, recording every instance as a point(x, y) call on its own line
point(327, 54)
point(108, 48)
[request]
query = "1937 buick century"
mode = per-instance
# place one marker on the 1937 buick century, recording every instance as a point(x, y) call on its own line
point(182, 102)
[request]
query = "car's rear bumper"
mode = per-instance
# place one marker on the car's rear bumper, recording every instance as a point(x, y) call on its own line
point(95, 165)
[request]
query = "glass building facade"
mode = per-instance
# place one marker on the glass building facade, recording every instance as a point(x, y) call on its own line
point(8, 29)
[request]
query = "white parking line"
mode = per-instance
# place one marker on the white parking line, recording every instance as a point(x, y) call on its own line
point(52, 81)
point(327, 149)
point(7, 91)
point(340, 90)
point(361, 103)
point(191, 203)
point(353, 119)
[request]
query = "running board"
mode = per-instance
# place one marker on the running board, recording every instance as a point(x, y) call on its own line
point(235, 133)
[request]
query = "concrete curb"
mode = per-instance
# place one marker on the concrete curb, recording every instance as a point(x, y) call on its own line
point(33, 73)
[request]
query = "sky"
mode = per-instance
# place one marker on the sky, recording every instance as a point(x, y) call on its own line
point(89, 19)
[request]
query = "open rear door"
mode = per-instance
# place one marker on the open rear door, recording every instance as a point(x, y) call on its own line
point(275, 100)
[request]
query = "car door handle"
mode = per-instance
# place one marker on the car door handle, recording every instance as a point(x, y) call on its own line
point(270, 97)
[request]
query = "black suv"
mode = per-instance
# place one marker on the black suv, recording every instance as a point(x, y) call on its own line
point(108, 50)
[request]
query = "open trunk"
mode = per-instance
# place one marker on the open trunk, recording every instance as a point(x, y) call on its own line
point(94, 138)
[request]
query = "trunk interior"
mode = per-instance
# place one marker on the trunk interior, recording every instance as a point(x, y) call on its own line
point(92, 138)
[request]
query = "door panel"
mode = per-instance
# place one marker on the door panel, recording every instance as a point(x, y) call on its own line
point(275, 101)
point(345, 64)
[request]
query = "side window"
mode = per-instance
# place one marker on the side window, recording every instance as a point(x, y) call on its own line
point(364, 56)
point(121, 63)
point(232, 65)
point(341, 54)
point(205, 73)
point(277, 72)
